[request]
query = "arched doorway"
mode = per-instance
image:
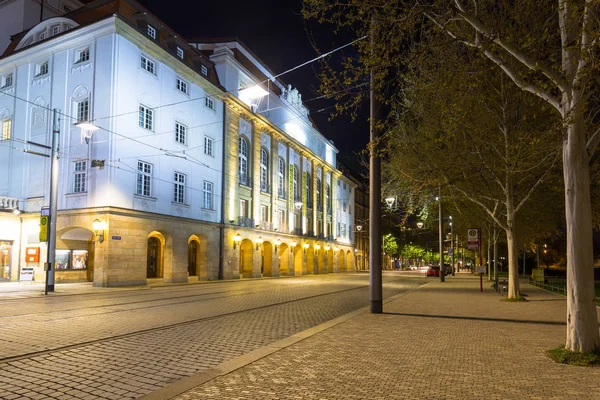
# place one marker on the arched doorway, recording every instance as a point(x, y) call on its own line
point(297, 260)
point(349, 261)
point(193, 258)
point(267, 259)
point(330, 261)
point(153, 258)
point(284, 259)
point(310, 260)
point(321, 261)
point(246, 258)
point(342, 261)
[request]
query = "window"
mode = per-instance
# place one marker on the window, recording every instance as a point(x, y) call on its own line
point(308, 190)
point(42, 35)
point(148, 65)
point(146, 117)
point(208, 146)
point(83, 110)
point(67, 9)
point(180, 133)
point(144, 179)
point(7, 81)
point(210, 103)
point(319, 200)
point(281, 177)
point(55, 30)
point(264, 170)
point(244, 208)
point(208, 196)
point(79, 175)
point(264, 213)
point(83, 55)
point(180, 52)
point(6, 128)
point(179, 188)
point(281, 219)
point(41, 69)
point(243, 161)
point(204, 70)
point(182, 86)
point(151, 32)
point(328, 197)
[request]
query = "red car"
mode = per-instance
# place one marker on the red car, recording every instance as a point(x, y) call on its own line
point(433, 270)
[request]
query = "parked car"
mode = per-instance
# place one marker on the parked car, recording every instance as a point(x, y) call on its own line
point(433, 270)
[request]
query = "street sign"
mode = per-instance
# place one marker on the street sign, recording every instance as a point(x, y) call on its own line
point(45, 211)
point(473, 238)
point(44, 228)
point(450, 251)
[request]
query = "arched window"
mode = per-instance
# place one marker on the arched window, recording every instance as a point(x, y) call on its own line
point(295, 182)
point(281, 178)
point(243, 159)
point(264, 170)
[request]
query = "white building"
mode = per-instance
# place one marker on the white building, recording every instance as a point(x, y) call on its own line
point(154, 173)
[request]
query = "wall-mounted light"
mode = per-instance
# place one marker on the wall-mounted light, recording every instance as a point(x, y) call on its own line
point(390, 201)
point(305, 247)
point(16, 211)
point(293, 244)
point(356, 250)
point(259, 242)
point(335, 248)
point(237, 240)
point(87, 129)
point(277, 244)
point(99, 227)
point(327, 247)
point(317, 247)
point(359, 227)
point(298, 205)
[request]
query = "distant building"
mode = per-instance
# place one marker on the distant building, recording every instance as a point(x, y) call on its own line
point(203, 165)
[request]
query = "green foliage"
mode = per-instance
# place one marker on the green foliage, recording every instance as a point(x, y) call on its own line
point(564, 356)
point(518, 299)
point(390, 245)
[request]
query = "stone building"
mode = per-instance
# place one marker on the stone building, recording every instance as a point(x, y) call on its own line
point(201, 164)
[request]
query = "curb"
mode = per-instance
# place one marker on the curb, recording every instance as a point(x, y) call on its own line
point(226, 367)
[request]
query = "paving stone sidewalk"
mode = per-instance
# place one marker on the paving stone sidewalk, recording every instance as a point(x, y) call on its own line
point(443, 341)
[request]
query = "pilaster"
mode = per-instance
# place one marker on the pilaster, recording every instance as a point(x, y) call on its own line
point(314, 195)
point(255, 173)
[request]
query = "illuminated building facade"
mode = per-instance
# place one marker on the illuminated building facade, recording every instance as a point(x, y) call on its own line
point(194, 154)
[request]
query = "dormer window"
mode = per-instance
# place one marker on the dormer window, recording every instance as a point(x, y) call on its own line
point(83, 56)
point(204, 70)
point(151, 32)
point(180, 52)
point(55, 30)
point(42, 36)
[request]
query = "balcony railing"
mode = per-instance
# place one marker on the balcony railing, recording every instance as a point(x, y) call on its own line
point(265, 188)
point(9, 202)
point(283, 228)
point(245, 180)
point(297, 231)
point(245, 221)
point(265, 226)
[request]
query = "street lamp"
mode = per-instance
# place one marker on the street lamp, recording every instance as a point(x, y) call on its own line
point(420, 224)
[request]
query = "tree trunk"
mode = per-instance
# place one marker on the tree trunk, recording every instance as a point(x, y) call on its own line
point(489, 260)
point(582, 322)
point(511, 239)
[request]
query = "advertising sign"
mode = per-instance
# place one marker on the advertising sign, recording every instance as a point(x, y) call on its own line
point(44, 228)
point(473, 238)
point(26, 274)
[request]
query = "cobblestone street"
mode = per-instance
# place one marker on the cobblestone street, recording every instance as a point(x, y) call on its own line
point(125, 344)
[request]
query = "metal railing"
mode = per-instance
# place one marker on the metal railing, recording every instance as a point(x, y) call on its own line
point(9, 202)
point(554, 286)
point(245, 221)
point(265, 226)
point(245, 180)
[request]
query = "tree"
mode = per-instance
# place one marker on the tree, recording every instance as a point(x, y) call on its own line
point(546, 49)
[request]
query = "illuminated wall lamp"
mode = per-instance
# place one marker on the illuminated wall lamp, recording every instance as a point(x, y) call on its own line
point(327, 248)
point(305, 247)
point(317, 247)
point(99, 227)
point(293, 244)
point(259, 242)
point(237, 240)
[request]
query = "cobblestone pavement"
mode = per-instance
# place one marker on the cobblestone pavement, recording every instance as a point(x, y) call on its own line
point(443, 341)
point(122, 345)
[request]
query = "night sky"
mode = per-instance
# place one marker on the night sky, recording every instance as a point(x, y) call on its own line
point(275, 31)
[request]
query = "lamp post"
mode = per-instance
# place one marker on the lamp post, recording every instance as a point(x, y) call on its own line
point(441, 225)
point(452, 242)
point(390, 203)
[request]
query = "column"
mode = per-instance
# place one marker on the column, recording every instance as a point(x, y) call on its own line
point(290, 197)
point(255, 173)
point(301, 191)
point(231, 143)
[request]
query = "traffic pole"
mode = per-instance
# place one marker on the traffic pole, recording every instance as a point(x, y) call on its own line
point(50, 265)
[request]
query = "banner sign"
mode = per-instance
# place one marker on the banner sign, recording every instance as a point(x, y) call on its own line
point(304, 193)
point(473, 238)
point(291, 189)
